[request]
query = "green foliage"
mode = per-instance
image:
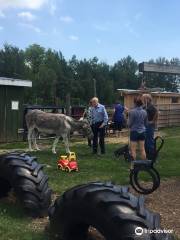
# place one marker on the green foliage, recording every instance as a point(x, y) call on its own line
point(124, 74)
point(54, 78)
point(12, 62)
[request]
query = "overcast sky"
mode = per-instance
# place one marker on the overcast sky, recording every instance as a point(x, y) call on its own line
point(108, 29)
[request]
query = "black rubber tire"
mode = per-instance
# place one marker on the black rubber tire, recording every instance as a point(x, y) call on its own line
point(5, 187)
point(111, 209)
point(21, 172)
point(136, 184)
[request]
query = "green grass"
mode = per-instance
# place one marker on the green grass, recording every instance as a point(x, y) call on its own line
point(14, 225)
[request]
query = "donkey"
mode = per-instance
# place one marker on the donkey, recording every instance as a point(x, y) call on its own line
point(58, 124)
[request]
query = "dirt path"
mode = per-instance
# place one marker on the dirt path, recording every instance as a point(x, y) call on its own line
point(165, 201)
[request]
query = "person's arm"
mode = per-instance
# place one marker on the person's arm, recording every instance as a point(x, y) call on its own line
point(156, 115)
point(84, 114)
point(126, 109)
point(130, 119)
point(146, 120)
point(92, 116)
point(105, 121)
point(113, 115)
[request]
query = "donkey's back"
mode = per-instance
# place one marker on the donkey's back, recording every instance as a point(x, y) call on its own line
point(47, 122)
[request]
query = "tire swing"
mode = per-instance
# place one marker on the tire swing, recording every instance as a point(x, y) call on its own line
point(146, 167)
point(111, 210)
point(22, 173)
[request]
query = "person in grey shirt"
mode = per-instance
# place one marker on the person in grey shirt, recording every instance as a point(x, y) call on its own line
point(87, 115)
point(137, 123)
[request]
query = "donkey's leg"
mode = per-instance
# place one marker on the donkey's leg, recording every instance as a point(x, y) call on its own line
point(30, 132)
point(66, 142)
point(34, 135)
point(54, 144)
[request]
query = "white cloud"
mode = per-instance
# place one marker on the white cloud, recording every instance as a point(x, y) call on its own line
point(98, 41)
point(66, 19)
point(27, 16)
point(1, 28)
point(52, 7)
point(29, 4)
point(2, 15)
point(138, 16)
point(74, 38)
point(130, 29)
point(31, 27)
point(55, 31)
point(101, 27)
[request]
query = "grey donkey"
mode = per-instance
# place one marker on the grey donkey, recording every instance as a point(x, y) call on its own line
point(58, 124)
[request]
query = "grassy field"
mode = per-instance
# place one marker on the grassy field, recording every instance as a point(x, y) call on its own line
point(14, 225)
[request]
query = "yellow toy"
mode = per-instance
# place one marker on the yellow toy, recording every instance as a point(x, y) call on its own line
point(68, 163)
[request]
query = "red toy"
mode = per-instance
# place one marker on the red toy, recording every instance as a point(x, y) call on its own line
point(68, 163)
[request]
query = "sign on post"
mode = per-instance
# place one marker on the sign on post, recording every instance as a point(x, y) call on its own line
point(159, 68)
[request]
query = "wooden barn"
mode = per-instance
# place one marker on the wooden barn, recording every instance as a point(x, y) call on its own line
point(11, 108)
point(168, 104)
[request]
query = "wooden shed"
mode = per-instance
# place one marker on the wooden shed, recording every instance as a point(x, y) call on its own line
point(159, 98)
point(11, 108)
point(168, 104)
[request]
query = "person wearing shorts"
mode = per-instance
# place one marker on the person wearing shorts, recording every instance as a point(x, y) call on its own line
point(137, 123)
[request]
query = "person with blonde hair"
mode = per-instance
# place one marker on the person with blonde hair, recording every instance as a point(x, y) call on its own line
point(152, 114)
point(99, 121)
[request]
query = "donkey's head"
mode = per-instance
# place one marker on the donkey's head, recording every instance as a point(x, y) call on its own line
point(86, 128)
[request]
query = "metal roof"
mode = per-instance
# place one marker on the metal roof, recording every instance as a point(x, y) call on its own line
point(15, 82)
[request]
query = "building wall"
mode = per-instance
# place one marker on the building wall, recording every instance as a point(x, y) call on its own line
point(169, 113)
point(158, 100)
point(129, 100)
point(10, 117)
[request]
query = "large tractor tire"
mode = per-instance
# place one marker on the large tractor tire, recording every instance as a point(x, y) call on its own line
point(114, 212)
point(21, 173)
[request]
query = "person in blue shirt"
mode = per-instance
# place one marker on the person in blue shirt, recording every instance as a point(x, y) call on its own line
point(118, 117)
point(99, 118)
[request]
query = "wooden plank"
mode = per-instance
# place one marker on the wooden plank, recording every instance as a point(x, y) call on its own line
point(159, 68)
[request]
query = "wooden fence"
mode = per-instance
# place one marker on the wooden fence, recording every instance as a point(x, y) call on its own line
point(169, 115)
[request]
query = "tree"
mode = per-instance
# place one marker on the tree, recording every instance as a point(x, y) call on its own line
point(12, 62)
point(34, 57)
point(168, 82)
point(55, 79)
point(124, 74)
